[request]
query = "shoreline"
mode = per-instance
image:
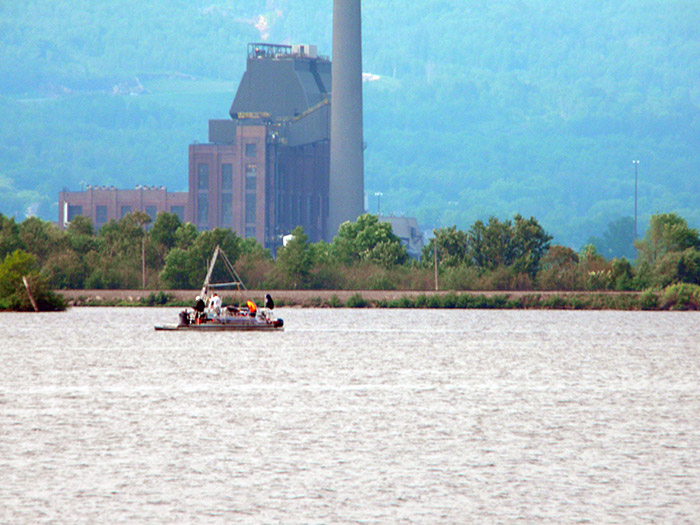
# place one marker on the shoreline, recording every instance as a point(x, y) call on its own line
point(543, 300)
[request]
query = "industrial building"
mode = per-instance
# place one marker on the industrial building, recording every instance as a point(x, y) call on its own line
point(274, 165)
point(263, 172)
point(266, 170)
point(406, 229)
point(286, 157)
point(106, 203)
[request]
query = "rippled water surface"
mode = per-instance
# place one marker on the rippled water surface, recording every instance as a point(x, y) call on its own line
point(351, 415)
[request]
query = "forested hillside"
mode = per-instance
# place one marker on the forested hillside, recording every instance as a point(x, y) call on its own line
point(481, 108)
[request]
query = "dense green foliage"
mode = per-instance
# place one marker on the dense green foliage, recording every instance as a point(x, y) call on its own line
point(512, 254)
point(481, 108)
point(369, 240)
point(16, 268)
point(670, 252)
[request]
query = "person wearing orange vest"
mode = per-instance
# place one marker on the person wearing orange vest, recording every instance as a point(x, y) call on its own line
point(252, 308)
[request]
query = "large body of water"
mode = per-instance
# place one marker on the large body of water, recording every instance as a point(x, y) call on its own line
point(380, 416)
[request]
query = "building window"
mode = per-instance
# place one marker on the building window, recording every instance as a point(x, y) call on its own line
point(203, 176)
point(226, 177)
point(250, 172)
point(151, 212)
point(251, 150)
point(126, 210)
point(74, 211)
point(179, 211)
point(250, 231)
point(227, 209)
point(250, 208)
point(100, 215)
point(203, 210)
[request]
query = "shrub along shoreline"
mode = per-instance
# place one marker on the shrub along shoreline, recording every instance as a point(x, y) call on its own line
point(675, 297)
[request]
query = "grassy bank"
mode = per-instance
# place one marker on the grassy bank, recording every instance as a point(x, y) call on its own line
point(676, 297)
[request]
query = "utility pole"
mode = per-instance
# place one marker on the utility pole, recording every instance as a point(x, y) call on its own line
point(435, 263)
point(142, 219)
point(143, 261)
point(636, 165)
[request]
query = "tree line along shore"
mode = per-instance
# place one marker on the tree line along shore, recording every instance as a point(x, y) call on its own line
point(493, 264)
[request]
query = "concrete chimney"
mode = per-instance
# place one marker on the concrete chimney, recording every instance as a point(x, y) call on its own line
point(346, 184)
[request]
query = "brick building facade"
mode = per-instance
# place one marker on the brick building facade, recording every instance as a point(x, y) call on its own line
point(105, 203)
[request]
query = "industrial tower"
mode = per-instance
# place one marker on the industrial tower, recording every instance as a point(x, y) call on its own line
point(346, 183)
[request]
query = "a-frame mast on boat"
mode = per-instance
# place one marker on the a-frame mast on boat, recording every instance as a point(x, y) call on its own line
point(227, 263)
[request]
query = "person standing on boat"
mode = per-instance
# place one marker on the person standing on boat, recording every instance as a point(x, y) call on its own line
point(269, 303)
point(198, 308)
point(215, 303)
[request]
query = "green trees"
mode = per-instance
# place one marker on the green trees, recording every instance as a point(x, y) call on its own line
point(68, 268)
point(560, 269)
point(294, 260)
point(451, 245)
point(494, 255)
point(164, 230)
point(669, 252)
point(255, 264)
point(667, 233)
point(122, 255)
point(9, 236)
point(185, 235)
point(530, 243)
point(39, 237)
point(80, 235)
point(186, 265)
point(519, 244)
point(179, 271)
point(17, 267)
point(507, 252)
point(368, 240)
point(362, 255)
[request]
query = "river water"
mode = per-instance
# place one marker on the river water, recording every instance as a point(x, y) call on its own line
point(379, 416)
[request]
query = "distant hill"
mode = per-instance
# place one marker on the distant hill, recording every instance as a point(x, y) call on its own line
point(480, 108)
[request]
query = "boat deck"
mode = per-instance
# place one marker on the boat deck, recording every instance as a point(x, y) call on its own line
point(221, 327)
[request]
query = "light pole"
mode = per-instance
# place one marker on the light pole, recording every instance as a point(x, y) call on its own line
point(636, 165)
point(435, 262)
point(379, 196)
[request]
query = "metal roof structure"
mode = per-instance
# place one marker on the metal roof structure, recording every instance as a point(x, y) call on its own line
point(282, 81)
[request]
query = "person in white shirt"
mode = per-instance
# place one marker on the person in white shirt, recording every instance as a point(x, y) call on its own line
point(215, 304)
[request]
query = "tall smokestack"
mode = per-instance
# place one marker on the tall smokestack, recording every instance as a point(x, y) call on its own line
point(346, 185)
